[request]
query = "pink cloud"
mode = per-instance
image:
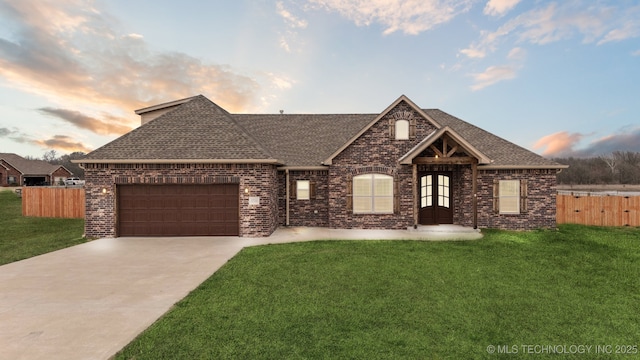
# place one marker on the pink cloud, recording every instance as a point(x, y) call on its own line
point(558, 144)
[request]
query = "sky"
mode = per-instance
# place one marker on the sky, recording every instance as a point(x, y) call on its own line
point(559, 78)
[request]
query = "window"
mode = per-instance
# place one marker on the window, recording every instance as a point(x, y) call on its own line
point(372, 194)
point(12, 180)
point(302, 189)
point(509, 196)
point(402, 130)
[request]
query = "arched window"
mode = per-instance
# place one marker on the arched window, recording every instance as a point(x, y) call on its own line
point(402, 129)
point(373, 194)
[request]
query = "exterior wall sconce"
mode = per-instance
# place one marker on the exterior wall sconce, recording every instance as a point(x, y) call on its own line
point(104, 190)
point(246, 190)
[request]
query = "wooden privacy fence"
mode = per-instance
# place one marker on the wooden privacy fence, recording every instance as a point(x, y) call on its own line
point(54, 202)
point(598, 210)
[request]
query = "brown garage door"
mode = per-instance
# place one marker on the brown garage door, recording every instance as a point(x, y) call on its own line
point(178, 210)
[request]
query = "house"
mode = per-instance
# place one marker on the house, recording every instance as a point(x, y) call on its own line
point(194, 169)
point(16, 171)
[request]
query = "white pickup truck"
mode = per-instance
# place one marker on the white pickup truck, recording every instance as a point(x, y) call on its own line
point(73, 181)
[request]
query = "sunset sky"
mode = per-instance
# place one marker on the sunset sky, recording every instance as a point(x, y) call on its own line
point(560, 78)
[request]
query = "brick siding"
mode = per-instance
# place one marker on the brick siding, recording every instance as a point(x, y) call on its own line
point(375, 148)
point(255, 220)
point(313, 212)
point(541, 200)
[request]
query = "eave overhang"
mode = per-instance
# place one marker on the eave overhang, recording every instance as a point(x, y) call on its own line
point(177, 161)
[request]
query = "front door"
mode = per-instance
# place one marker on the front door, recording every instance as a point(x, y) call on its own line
point(434, 203)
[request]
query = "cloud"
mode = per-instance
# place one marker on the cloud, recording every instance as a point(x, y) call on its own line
point(291, 19)
point(62, 142)
point(499, 7)
point(552, 23)
point(564, 144)
point(517, 54)
point(58, 142)
point(111, 126)
point(15, 135)
point(409, 16)
point(495, 74)
point(492, 75)
point(623, 140)
point(558, 144)
point(71, 53)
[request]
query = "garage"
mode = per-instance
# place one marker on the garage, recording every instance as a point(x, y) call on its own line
point(178, 210)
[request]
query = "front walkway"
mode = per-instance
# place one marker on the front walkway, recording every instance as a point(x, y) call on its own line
point(90, 300)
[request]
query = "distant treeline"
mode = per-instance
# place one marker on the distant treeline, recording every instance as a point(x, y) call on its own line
point(619, 167)
point(65, 160)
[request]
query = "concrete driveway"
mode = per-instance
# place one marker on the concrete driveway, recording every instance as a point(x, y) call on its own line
point(90, 300)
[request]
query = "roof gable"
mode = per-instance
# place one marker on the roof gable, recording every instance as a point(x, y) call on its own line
point(438, 134)
point(329, 160)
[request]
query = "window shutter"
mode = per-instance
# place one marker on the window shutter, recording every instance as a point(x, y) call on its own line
point(312, 190)
point(392, 129)
point(523, 196)
point(293, 189)
point(350, 194)
point(396, 196)
point(496, 196)
point(412, 128)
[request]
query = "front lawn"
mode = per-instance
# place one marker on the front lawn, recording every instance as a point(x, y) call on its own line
point(511, 291)
point(23, 237)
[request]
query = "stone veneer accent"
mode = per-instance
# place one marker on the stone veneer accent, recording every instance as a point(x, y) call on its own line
point(255, 220)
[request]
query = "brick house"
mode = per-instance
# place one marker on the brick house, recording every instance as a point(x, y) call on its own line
point(17, 171)
point(194, 169)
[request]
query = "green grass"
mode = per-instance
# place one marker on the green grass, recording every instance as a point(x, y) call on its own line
point(23, 237)
point(410, 299)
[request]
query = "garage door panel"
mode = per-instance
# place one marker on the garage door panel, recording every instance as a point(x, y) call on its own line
point(178, 210)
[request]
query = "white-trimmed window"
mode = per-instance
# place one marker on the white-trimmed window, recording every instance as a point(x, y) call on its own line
point(402, 129)
point(372, 194)
point(303, 190)
point(509, 195)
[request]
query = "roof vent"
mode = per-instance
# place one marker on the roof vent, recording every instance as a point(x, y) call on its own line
point(281, 112)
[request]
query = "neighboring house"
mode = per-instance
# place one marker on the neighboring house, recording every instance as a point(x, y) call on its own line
point(17, 171)
point(192, 169)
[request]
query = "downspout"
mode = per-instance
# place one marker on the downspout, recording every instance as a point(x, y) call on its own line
point(474, 186)
point(286, 172)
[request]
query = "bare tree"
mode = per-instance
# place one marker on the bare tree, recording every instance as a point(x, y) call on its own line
point(612, 162)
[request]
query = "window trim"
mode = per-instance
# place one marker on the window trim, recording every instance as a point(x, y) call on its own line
point(299, 189)
point(372, 210)
point(405, 131)
point(516, 195)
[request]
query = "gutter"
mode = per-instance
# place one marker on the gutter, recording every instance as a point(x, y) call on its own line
point(177, 161)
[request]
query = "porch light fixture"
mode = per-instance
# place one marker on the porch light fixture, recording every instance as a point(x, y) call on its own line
point(436, 156)
point(246, 190)
point(104, 190)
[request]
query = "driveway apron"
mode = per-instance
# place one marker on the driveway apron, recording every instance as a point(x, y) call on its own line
point(90, 300)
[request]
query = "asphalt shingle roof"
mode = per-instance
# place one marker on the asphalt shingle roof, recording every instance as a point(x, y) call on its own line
point(201, 130)
point(28, 167)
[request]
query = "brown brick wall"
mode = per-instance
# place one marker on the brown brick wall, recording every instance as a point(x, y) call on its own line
point(313, 212)
point(375, 149)
point(260, 179)
point(541, 200)
point(4, 174)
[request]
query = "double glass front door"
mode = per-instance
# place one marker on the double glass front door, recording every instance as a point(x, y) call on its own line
point(434, 203)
